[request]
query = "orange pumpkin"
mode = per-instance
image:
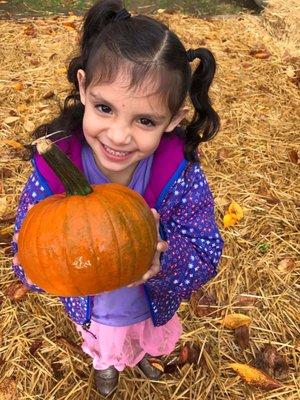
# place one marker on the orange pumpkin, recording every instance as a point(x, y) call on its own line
point(84, 244)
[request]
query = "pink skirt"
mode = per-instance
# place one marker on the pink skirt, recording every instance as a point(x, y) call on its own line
point(127, 345)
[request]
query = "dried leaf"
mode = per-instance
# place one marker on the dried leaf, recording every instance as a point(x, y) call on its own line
point(16, 291)
point(8, 389)
point(262, 55)
point(183, 355)
point(255, 377)
point(35, 346)
point(222, 154)
point(65, 342)
point(202, 304)
point(241, 335)
point(271, 362)
point(293, 156)
point(233, 321)
point(286, 265)
point(28, 126)
point(13, 143)
point(18, 86)
point(57, 370)
point(3, 206)
point(10, 120)
point(48, 95)
point(30, 31)
point(236, 210)
point(8, 218)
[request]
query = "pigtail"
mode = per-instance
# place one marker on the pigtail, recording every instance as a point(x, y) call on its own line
point(205, 122)
point(71, 114)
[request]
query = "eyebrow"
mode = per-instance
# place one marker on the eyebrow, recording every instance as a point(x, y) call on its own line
point(157, 117)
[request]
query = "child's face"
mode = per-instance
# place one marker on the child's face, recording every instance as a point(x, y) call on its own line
point(123, 126)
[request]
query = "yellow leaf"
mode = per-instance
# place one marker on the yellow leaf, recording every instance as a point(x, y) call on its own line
point(236, 210)
point(13, 143)
point(229, 220)
point(233, 321)
point(10, 120)
point(18, 86)
point(255, 377)
point(29, 126)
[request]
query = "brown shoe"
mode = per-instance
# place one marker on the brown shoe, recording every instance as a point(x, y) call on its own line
point(106, 380)
point(149, 370)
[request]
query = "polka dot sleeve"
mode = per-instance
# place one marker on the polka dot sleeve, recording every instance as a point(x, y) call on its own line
point(195, 244)
point(33, 192)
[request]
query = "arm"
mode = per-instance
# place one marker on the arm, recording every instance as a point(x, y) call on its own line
point(33, 192)
point(195, 244)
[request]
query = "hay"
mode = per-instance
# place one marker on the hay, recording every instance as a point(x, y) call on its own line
point(253, 161)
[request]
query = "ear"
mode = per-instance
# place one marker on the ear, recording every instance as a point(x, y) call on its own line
point(177, 119)
point(81, 84)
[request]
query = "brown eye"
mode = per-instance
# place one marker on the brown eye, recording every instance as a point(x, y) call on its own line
point(146, 122)
point(103, 108)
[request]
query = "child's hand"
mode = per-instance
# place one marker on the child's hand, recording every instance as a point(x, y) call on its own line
point(161, 246)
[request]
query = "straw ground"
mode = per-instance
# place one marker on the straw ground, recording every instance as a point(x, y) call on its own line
point(253, 161)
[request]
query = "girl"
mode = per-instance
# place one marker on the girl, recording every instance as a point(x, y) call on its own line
point(130, 80)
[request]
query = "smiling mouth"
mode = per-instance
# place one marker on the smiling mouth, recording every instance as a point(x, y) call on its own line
point(115, 152)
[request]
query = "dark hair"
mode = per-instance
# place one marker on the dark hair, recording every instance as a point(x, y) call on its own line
point(144, 48)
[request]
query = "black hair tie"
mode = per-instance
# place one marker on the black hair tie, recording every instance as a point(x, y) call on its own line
point(191, 55)
point(122, 14)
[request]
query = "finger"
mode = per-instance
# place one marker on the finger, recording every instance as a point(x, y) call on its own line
point(151, 272)
point(16, 237)
point(16, 260)
point(162, 246)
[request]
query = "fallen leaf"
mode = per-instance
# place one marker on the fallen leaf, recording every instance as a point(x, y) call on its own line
point(286, 265)
point(35, 346)
point(222, 154)
point(65, 342)
point(3, 206)
point(30, 31)
point(233, 321)
point(10, 120)
point(241, 335)
point(29, 126)
point(13, 143)
point(48, 95)
point(255, 377)
point(270, 361)
point(202, 304)
point(8, 218)
point(16, 291)
point(161, 10)
point(236, 210)
point(57, 370)
point(293, 156)
point(8, 389)
point(229, 220)
point(18, 86)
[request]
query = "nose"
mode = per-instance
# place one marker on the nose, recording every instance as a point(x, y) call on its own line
point(119, 134)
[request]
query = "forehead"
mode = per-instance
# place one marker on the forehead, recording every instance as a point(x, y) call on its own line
point(121, 88)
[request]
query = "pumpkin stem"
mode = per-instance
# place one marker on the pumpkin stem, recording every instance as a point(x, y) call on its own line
point(72, 178)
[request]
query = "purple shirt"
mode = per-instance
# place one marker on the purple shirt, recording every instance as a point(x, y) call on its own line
point(125, 306)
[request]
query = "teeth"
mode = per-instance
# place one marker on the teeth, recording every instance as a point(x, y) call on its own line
point(116, 153)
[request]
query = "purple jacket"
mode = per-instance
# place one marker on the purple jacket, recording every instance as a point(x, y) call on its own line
point(179, 191)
